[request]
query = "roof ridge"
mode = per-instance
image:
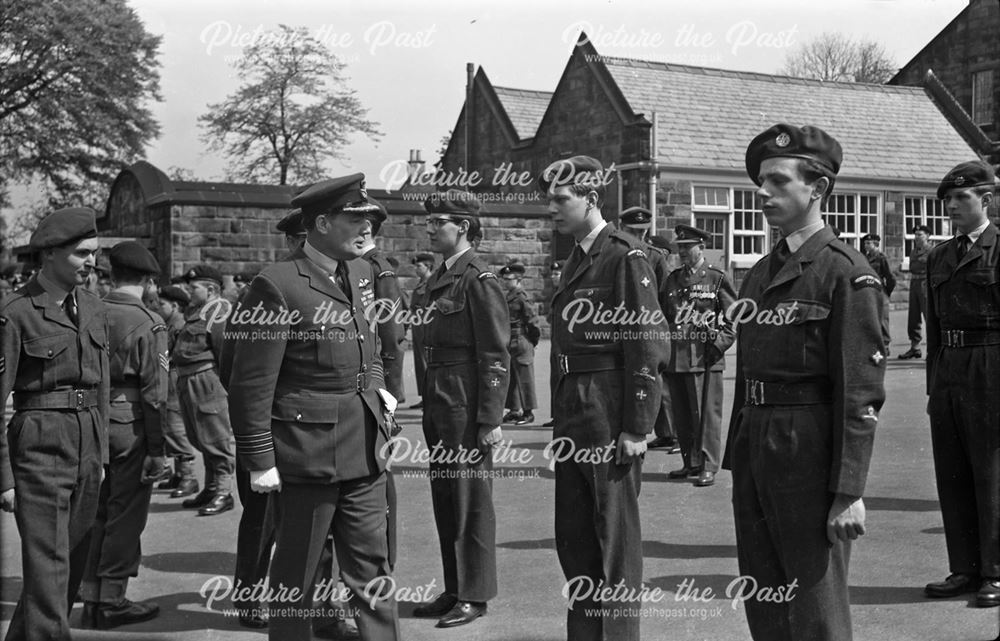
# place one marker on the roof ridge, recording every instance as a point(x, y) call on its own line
point(518, 89)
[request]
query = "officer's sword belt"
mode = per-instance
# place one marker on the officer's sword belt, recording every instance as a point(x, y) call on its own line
point(67, 399)
point(970, 337)
point(586, 363)
point(194, 368)
point(773, 393)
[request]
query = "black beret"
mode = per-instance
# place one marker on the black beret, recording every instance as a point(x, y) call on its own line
point(686, 234)
point(874, 237)
point(64, 226)
point(245, 276)
point(174, 280)
point(578, 170)
point(975, 173)
point(204, 272)
point(175, 293)
point(424, 257)
point(636, 217)
point(557, 266)
point(513, 267)
point(453, 202)
point(661, 243)
point(783, 140)
point(132, 255)
point(291, 224)
point(333, 196)
point(923, 228)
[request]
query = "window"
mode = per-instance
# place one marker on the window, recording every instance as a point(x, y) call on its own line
point(854, 215)
point(982, 97)
point(749, 228)
point(923, 210)
point(711, 198)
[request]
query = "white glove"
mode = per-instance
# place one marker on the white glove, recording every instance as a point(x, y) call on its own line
point(265, 481)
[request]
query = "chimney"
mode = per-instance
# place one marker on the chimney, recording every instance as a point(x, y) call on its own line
point(415, 165)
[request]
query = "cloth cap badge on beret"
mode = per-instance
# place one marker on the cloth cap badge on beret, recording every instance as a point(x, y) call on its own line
point(192, 274)
point(783, 140)
point(960, 181)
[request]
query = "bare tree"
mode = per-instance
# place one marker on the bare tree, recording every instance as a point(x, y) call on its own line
point(837, 57)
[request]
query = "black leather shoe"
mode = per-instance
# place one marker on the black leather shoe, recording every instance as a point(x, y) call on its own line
point(954, 585)
point(684, 473)
point(525, 419)
point(339, 630)
point(463, 612)
point(88, 619)
point(705, 479)
point(252, 619)
point(660, 441)
point(220, 503)
point(510, 417)
point(436, 608)
point(170, 484)
point(913, 352)
point(989, 594)
point(124, 612)
point(185, 488)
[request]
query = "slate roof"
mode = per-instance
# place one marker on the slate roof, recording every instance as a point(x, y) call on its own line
point(706, 117)
point(524, 107)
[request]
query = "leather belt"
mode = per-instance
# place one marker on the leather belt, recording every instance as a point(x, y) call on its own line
point(584, 363)
point(438, 355)
point(970, 337)
point(768, 393)
point(77, 400)
point(194, 368)
point(128, 394)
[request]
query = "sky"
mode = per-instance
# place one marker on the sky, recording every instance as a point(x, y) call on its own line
point(406, 61)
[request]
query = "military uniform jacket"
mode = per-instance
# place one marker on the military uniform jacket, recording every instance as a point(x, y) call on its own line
point(197, 343)
point(305, 372)
point(818, 321)
point(522, 314)
point(615, 272)
point(386, 287)
point(469, 314)
point(43, 351)
point(880, 264)
point(962, 294)
point(696, 305)
point(139, 366)
point(419, 299)
point(918, 261)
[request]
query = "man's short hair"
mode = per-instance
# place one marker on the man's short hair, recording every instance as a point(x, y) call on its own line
point(811, 171)
point(121, 274)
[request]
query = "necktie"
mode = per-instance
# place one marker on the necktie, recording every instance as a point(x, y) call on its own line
point(575, 257)
point(341, 276)
point(778, 257)
point(964, 242)
point(69, 306)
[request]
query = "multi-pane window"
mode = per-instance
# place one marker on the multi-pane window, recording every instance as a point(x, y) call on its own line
point(749, 227)
point(982, 97)
point(924, 210)
point(854, 215)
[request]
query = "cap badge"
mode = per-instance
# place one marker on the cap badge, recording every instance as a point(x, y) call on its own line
point(783, 140)
point(364, 192)
point(192, 274)
point(959, 180)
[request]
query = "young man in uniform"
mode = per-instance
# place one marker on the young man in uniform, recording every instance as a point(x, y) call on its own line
point(139, 364)
point(466, 381)
point(309, 415)
point(524, 335)
point(917, 308)
point(605, 399)
point(53, 334)
point(698, 296)
point(555, 275)
point(202, 397)
point(963, 360)
point(880, 265)
point(810, 365)
point(423, 264)
point(173, 301)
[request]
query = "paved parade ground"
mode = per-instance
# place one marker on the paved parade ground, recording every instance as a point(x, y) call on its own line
point(689, 545)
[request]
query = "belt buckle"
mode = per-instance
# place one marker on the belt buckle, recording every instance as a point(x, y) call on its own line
point(755, 390)
point(79, 398)
point(427, 353)
point(362, 381)
point(956, 338)
point(564, 364)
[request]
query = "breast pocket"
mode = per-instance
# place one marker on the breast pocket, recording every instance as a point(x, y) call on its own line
point(589, 312)
point(45, 354)
point(803, 336)
point(984, 291)
point(331, 342)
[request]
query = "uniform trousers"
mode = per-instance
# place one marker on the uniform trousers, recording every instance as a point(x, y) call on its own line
point(206, 420)
point(964, 412)
point(664, 427)
point(175, 441)
point(917, 309)
point(521, 389)
point(696, 413)
point(56, 462)
point(781, 458)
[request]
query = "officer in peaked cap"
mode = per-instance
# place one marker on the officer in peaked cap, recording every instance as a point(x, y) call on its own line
point(808, 392)
point(423, 263)
point(697, 297)
point(309, 410)
point(963, 356)
point(465, 342)
point(917, 304)
point(139, 364)
point(54, 358)
point(524, 335)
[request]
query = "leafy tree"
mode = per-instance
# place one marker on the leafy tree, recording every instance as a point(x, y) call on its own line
point(834, 56)
point(292, 113)
point(75, 78)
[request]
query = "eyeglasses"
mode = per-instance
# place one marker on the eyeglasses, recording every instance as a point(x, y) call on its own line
point(440, 221)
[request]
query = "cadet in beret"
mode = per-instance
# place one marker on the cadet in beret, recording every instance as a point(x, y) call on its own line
point(606, 396)
point(139, 364)
point(698, 295)
point(524, 335)
point(880, 264)
point(295, 233)
point(173, 302)
point(963, 358)
point(808, 392)
point(423, 264)
point(195, 356)
point(917, 307)
point(465, 384)
point(54, 357)
point(637, 221)
point(307, 405)
point(555, 275)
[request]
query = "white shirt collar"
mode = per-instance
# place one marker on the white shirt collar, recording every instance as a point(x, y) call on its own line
point(588, 241)
point(327, 264)
point(450, 262)
point(977, 232)
point(798, 238)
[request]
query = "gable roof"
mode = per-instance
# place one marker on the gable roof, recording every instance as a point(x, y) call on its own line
point(707, 116)
point(524, 107)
